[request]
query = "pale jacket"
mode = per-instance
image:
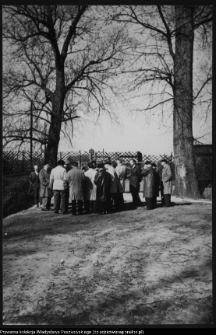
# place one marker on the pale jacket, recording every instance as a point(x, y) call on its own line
point(114, 176)
point(57, 177)
point(166, 178)
point(121, 171)
point(90, 187)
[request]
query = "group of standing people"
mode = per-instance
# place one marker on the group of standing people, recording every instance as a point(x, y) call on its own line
point(99, 187)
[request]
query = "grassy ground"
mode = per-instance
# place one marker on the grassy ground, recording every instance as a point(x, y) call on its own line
point(135, 267)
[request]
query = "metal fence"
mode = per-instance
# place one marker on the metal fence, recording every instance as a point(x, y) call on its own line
point(20, 162)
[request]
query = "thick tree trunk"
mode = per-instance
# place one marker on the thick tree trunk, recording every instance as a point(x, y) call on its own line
point(186, 183)
point(55, 126)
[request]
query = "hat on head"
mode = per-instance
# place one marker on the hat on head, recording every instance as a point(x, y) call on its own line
point(67, 161)
point(147, 162)
point(153, 164)
point(107, 161)
point(100, 165)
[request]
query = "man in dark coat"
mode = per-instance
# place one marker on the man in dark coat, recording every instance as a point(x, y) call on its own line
point(135, 178)
point(76, 179)
point(149, 185)
point(67, 167)
point(156, 183)
point(34, 182)
point(103, 180)
point(45, 191)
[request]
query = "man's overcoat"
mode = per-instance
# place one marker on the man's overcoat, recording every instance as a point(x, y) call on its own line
point(45, 191)
point(76, 180)
point(149, 189)
point(166, 179)
point(135, 176)
point(90, 187)
point(103, 181)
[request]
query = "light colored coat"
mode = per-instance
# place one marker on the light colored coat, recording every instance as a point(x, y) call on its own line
point(114, 176)
point(149, 190)
point(57, 177)
point(166, 179)
point(90, 187)
point(45, 191)
point(76, 180)
point(121, 171)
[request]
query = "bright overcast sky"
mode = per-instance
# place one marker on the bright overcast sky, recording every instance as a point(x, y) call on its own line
point(136, 132)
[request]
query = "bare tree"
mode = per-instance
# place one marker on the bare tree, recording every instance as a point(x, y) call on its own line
point(163, 67)
point(63, 59)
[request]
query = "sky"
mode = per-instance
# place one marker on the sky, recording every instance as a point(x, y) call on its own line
point(148, 134)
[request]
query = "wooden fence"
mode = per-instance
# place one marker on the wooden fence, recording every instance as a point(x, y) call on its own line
point(20, 162)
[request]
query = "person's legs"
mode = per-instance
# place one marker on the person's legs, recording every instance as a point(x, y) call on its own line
point(48, 203)
point(44, 203)
point(63, 201)
point(167, 200)
point(80, 204)
point(73, 207)
point(56, 201)
point(149, 203)
point(37, 196)
point(87, 206)
point(133, 193)
point(66, 199)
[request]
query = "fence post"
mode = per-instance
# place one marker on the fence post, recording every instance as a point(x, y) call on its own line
point(80, 158)
point(139, 156)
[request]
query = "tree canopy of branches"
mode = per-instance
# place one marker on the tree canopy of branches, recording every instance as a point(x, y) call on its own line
point(60, 58)
point(162, 65)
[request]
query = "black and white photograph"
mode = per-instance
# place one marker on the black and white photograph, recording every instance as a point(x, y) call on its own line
point(107, 165)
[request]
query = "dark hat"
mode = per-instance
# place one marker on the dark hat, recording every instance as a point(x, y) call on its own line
point(100, 165)
point(60, 162)
point(153, 164)
point(147, 162)
point(107, 161)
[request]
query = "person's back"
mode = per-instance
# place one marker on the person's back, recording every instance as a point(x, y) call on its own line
point(76, 178)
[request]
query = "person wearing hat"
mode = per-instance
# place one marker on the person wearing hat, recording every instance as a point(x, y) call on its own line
point(114, 185)
point(149, 185)
point(76, 179)
point(45, 191)
point(67, 167)
point(121, 171)
point(103, 181)
point(34, 182)
point(90, 188)
point(57, 180)
point(166, 182)
point(135, 178)
point(156, 183)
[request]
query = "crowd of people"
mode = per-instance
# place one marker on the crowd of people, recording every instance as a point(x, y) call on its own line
point(98, 188)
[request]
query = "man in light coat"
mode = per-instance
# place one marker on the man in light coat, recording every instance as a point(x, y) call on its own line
point(90, 188)
point(121, 171)
point(45, 191)
point(114, 184)
point(166, 181)
point(76, 179)
point(57, 180)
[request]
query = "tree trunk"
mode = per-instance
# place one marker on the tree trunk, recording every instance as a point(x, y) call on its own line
point(186, 183)
point(55, 126)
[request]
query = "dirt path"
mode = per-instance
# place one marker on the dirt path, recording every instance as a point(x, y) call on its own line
point(130, 268)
